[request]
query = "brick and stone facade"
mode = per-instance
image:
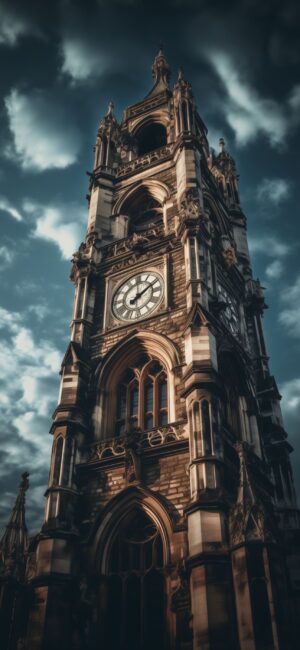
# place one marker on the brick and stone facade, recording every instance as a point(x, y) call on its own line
point(171, 517)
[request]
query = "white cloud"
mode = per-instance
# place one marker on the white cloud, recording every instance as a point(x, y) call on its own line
point(290, 391)
point(7, 257)
point(289, 316)
point(44, 136)
point(294, 99)
point(53, 224)
point(273, 190)
point(6, 206)
point(82, 59)
point(275, 270)
point(247, 113)
point(29, 385)
point(13, 27)
point(268, 245)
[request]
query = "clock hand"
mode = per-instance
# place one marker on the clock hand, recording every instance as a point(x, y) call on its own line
point(139, 294)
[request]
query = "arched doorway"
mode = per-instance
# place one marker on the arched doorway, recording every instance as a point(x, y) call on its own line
point(134, 615)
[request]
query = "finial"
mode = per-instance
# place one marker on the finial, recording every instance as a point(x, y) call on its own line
point(222, 145)
point(110, 110)
point(24, 485)
point(161, 69)
point(180, 74)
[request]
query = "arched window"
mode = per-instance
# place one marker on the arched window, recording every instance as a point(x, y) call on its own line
point(206, 427)
point(142, 397)
point(135, 586)
point(143, 210)
point(185, 122)
point(57, 460)
point(151, 137)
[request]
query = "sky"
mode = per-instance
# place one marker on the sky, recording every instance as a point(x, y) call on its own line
point(61, 63)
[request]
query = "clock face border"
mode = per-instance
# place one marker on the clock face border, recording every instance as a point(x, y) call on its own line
point(129, 285)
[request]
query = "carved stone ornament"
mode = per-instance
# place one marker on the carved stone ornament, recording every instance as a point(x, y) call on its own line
point(181, 605)
point(249, 518)
point(133, 452)
point(229, 257)
point(228, 252)
point(190, 206)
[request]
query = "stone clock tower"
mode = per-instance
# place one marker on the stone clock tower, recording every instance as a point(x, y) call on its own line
point(171, 519)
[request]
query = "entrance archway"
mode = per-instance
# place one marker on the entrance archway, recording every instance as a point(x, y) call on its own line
point(134, 615)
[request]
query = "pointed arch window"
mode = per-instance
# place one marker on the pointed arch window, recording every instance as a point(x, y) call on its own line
point(142, 398)
point(57, 460)
point(135, 586)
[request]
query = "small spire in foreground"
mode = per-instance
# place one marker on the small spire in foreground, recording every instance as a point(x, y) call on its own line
point(14, 543)
point(161, 69)
point(222, 145)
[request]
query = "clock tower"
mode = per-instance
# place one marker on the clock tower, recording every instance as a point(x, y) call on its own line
point(171, 519)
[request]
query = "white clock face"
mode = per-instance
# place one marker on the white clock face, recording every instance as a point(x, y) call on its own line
point(230, 314)
point(138, 297)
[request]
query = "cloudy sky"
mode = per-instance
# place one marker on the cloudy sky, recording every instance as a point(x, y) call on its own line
point(61, 63)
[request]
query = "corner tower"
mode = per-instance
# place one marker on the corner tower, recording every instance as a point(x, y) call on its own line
point(170, 464)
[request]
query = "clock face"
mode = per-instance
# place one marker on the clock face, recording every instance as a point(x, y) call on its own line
point(138, 297)
point(230, 314)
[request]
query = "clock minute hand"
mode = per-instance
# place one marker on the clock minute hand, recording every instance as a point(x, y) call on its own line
point(140, 293)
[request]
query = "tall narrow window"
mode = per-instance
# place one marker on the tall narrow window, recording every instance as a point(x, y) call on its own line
point(148, 405)
point(81, 288)
point(185, 124)
point(162, 401)
point(133, 405)
point(57, 461)
point(67, 461)
point(121, 409)
point(142, 398)
point(206, 428)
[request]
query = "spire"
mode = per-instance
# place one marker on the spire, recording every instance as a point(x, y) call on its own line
point(110, 110)
point(161, 71)
point(182, 85)
point(14, 543)
point(222, 145)
point(108, 121)
point(226, 162)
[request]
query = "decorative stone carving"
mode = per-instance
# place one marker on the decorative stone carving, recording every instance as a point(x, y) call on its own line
point(145, 161)
point(250, 518)
point(228, 252)
point(116, 447)
point(181, 604)
point(133, 451)
point(190, 208)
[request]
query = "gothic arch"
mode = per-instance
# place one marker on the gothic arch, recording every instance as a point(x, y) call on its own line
point(160, 192)
point(216, 212)
point(130, 499)
point(118, 359)
point(159, 117)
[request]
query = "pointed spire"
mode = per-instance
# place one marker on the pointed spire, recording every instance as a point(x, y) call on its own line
point(222, 145)
point(14, 543)
point(180, 74)
point(161, 70)
point(110, 110)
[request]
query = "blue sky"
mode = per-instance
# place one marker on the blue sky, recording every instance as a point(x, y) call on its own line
point(62, 62)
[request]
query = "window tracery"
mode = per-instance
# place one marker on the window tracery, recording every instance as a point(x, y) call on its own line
point(142, 398)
